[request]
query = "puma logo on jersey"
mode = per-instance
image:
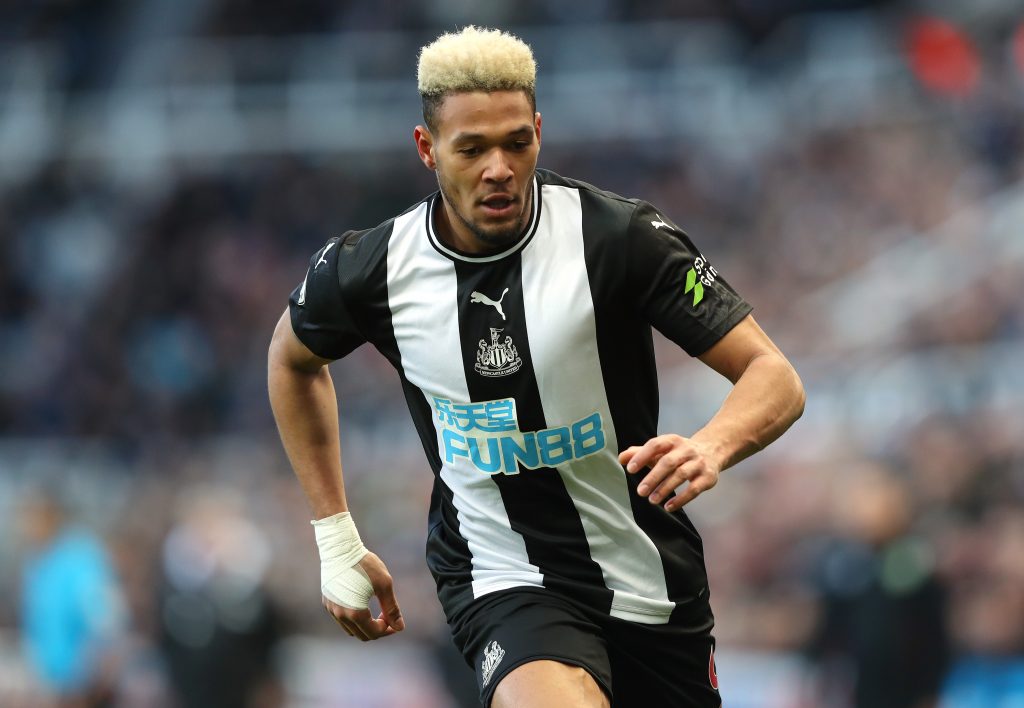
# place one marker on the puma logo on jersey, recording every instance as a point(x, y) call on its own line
point(323, 255)
point(658, 224)
point(481, 298)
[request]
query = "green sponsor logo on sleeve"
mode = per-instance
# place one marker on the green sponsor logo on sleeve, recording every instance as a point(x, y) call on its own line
point(695, 285)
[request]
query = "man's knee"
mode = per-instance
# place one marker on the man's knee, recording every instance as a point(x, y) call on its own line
point(549, 684)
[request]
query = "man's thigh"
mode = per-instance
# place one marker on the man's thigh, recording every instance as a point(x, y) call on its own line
point(549, 684)
point(536, 631)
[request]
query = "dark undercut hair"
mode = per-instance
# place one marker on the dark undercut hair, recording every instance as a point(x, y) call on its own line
point(432, 104)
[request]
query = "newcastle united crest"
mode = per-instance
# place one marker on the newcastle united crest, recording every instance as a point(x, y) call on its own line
point(499, 357)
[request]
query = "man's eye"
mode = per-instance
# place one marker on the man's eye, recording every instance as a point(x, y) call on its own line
point(469, 151)
point(520, 145)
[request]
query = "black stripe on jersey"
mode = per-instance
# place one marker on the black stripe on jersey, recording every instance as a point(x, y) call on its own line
point(537, 493)
point(625, 346)
point(448, 556)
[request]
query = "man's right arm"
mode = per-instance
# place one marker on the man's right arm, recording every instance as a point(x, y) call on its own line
point(305, 407)
point(306, 410)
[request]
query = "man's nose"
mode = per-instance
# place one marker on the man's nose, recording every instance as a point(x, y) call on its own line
point(498, 168)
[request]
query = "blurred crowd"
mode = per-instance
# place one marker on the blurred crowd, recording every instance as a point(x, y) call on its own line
point(140, 473)
point(81, 23)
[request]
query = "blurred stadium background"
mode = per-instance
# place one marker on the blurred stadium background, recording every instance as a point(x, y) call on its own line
point(854, 169)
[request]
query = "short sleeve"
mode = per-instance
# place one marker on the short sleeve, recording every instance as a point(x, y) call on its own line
point(321, 314)
point(675, 288)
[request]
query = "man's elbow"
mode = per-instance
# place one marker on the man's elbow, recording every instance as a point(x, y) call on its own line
point(798, 396)
point(286, 353)
point(281, 354)
point(277, 350)
point(787, 389)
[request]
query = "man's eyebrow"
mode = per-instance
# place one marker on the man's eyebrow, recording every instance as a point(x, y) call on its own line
point(465, 137)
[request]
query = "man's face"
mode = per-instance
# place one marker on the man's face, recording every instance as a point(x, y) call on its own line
point(484, 150)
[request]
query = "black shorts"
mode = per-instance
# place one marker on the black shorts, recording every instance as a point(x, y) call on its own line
point(636, 664)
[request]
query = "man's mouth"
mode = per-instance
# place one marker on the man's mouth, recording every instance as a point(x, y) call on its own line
point(499, 205)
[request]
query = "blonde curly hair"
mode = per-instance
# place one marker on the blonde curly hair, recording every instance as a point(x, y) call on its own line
point(474, 59)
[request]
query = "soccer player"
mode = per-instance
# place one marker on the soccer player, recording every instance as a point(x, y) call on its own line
point(516, 306)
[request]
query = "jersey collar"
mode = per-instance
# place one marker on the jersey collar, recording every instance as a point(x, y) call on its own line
point(449, 252)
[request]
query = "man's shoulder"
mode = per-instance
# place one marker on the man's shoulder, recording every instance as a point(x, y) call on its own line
point(547, 177)
point(609, 208)
point(360, 252)
point(355, 260)
point(376, 236)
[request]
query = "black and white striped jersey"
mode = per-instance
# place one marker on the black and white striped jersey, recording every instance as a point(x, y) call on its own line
point(526, 372)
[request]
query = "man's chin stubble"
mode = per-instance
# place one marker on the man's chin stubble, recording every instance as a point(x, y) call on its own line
point(503, 237)
point(495, 239)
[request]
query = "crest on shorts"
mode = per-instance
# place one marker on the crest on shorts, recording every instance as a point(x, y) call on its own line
point(499, 357)
point(493, 654)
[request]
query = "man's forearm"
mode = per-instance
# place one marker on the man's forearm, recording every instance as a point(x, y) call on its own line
point(766, 399)
point(306, 410)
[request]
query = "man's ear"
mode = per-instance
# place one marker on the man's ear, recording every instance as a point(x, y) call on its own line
point(536, 125)
point(425, 146)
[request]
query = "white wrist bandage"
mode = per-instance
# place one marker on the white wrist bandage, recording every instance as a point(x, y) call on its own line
point(342, 580)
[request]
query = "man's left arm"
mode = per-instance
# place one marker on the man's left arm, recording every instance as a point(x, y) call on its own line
point(766, 398)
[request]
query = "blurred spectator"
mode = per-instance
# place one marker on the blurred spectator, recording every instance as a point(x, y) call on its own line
point(220, 627)
point(72, 615)
point(988, 619)
point(884, 622)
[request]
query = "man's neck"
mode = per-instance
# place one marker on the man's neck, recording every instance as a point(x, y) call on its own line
point(451, 230)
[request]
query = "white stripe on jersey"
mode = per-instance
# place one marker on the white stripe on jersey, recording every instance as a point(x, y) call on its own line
point(560, 321)
point(422, 295)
